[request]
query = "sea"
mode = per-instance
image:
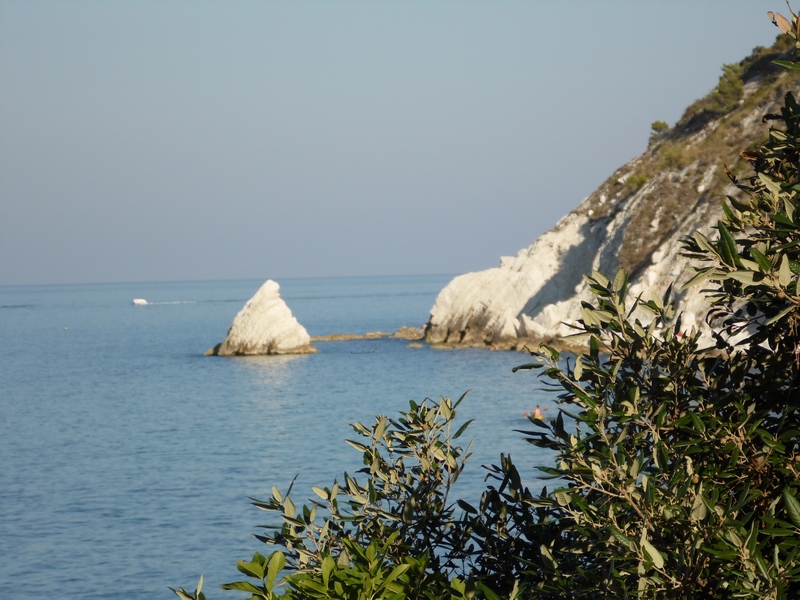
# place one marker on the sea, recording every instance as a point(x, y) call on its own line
point(128, 459)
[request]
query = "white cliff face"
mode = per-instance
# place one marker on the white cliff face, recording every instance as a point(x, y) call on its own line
point(537, 294)
point(492, 307)
point(265, 325)
point(635, 220)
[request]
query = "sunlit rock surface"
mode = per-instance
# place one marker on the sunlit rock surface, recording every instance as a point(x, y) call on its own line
point(265, 325)
point(536, 295)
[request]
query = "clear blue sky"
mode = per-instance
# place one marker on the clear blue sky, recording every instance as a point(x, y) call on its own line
point(179, 140)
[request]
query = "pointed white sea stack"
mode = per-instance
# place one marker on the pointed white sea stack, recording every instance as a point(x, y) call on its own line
point(265, 325)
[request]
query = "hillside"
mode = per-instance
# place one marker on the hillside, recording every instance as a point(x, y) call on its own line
point(634, 220)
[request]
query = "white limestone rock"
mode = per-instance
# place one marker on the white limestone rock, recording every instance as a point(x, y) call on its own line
point(636, 223)
point(526, 297)
point(538, 295)
point(265, 325)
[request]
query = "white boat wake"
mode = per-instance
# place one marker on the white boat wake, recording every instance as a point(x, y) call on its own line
point(143, 302)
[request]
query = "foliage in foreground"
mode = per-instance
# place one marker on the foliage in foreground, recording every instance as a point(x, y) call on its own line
point(677, 468)
point(392, 534)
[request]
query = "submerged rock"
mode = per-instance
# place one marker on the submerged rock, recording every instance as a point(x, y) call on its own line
point(412, 334)
point(265, 325)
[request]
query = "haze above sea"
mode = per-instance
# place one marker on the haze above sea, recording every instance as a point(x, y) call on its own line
point(127, 458)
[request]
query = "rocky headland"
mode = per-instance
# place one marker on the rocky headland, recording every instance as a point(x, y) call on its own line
point(634, 220)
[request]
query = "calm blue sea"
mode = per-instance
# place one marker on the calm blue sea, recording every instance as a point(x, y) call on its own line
point(127, 457)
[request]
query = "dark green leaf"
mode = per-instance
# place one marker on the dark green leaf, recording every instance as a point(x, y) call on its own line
point(792, 506)
point(462, 429)
point(781, 218)
point(763, 262)
point(788, 64)
point(242, 586)
point(727, 246)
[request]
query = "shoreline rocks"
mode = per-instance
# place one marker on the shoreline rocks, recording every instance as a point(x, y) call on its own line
point(404, 333)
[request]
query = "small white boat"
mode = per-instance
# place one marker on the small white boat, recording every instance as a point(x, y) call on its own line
point(139, 301)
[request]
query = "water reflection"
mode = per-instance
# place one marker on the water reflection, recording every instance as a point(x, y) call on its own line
point(271, 370)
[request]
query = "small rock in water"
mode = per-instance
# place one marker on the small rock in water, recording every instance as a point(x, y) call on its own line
point(265, 325)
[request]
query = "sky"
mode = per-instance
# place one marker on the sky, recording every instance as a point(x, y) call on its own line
point(195, 140)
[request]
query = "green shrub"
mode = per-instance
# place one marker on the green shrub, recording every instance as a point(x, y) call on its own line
point(659, 127)
point(657, 131)
point(394, 534)
point(729, 90)
point(637, 181)
point(672, 155)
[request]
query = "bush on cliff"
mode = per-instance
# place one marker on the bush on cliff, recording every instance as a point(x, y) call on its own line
point(676, 471)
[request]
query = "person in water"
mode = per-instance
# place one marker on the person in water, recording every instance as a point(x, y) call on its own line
point(537, 413)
